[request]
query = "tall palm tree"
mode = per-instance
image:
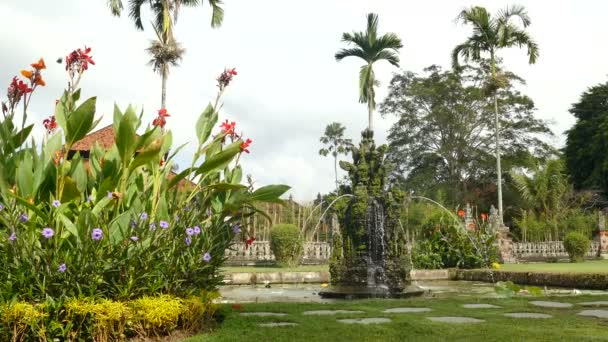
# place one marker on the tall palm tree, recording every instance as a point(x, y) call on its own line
point(165, 11)
point(371, 48)
point(336, 144)
point(491, 34)
point(165, 52)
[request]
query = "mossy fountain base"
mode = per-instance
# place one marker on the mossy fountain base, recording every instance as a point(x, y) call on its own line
point(370, 258)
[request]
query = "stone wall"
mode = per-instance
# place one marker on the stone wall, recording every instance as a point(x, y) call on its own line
point(259, 253)
point(550, 250)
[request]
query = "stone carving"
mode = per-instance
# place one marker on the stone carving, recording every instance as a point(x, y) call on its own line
point(547, 250)
point(469, 220)
point(260, 252)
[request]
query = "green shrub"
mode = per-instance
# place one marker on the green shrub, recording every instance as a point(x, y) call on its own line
point(286, 244)
point(577, 245)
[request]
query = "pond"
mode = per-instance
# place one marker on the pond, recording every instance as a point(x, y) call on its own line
point(309, 292)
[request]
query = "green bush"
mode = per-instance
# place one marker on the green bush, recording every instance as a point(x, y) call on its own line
point(577, 245)
point(286, 244)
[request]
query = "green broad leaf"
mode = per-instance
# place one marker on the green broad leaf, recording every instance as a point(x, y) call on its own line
point(25, 177)
point(131, 116)
point(20, 137)
point(119, 227)
point(237, 175)
point(80, 122)
point(226, 186)
point(117, 117)
point(60, 112)
point(76, 95)
point(79, 174)
point(205, 123)
point(167, 142)
point(70, 190)
point(70, 227)
point(269, 193)
point(100, 205)
point(147, 138)
point(125, 139)
point(220, 160)
point(150, 153)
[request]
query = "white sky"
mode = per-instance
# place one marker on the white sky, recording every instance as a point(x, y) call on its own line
point(289, 86)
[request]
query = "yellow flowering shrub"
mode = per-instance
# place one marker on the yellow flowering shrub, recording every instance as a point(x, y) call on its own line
point(20, 316)
point(156, 315)
point(495, 265)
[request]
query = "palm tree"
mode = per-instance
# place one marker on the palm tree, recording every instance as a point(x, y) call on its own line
point(165, 52)
point(491, 34)
point(337, 144)
point(371, 48)
point(165, 11)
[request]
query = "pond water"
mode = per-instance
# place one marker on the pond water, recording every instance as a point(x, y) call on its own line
point(309, 292)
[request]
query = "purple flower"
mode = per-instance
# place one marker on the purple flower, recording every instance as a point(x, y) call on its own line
point(110, 194)
point(197, 230)
point(188, 241)
point(56, 203)
point(48, 232)
point(134, 238)
point(24, 217)
point(143, 216)
point(164, 224)
point(207, 257)
point(13, 237)
point(236, 229)
point(1, 206)
point(189, 231)
point(61, 268)
point(97, 234)
point(176, 218)
point(133, 223)
point(152, 226)
point(90, 198)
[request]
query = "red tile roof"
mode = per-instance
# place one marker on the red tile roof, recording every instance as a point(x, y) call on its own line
point(104, 137)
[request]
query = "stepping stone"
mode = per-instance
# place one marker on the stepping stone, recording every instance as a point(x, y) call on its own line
point(373, 320)
point(331, 312)
point(456, 319)
point(277, 324)
point(527, 315)
point(598, 303)
point(547, 304)
point(594, 313)
point(406, 310)
point(480, 306)
point(263, 314)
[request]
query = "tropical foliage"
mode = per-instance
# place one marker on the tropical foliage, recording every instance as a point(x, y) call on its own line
point(335, 143)
point(371, 48)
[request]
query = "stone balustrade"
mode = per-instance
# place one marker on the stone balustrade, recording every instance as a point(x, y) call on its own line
point(547, 250)
point(259, 253)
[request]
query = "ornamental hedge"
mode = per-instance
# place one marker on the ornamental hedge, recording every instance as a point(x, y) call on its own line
point(286, 244)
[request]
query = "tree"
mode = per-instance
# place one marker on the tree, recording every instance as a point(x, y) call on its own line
point(165, 52)
point(165, 11)
point(491, 34)
point(371, 48)
point(443, 139)
point(587, 141)
point(336, 144)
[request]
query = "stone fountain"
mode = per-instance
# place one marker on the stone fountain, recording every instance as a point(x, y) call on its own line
point(369, 257)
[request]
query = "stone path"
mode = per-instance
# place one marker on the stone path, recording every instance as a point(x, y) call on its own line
point(263, 314)
point(527, 315)
point(277, 324)
point(594, 313)
point(547, 304)
point(406, 310)
point(455, 319)
point(598, 303)
point(371, 320)
point(331, 312)
point(480, 306)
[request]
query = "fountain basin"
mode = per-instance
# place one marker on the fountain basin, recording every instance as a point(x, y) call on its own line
point(361, 292)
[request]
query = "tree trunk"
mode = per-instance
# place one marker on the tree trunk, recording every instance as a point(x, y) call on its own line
point(163, 96)
point(336, 170)
point(497, 136)
point(370, 115)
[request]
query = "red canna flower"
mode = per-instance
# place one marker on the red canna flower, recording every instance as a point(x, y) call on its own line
point(461, 213)
point(50, 124)
point(245, 145)
point(484, 216)
point(225, 78)
point(78, 61)
point(233, 72)
point(163, 113)
point(159, 121)
point(249, 242)
point(228, 128)
point(16, 89)
point(39, 65)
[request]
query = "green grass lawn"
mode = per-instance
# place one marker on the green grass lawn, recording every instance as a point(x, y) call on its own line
point(591, 266)
point(565, 325)
point(266, 269)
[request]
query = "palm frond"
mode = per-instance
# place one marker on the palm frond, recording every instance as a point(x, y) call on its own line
point(521, 39)
point(217, 16)
point(514, 11)
point(353, 52)
point(389, 56)
point(116, 7)
point(389, 41)
point(372, 27)
point(367, 81)
point(135, 12)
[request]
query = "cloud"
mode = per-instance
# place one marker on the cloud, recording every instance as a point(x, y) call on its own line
point(289, 86)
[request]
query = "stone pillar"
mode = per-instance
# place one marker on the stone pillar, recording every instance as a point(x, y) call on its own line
point(602, 236)
point(469, 221)
point(503, 243)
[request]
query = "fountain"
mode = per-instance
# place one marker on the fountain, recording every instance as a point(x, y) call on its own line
point(369, 257)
